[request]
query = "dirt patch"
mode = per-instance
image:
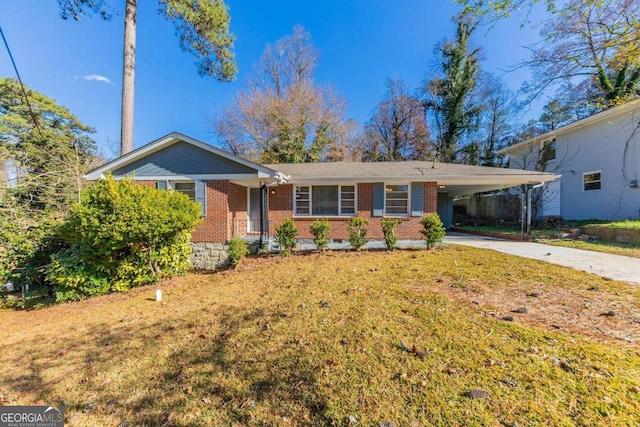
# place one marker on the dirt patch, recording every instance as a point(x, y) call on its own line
point(584, 311)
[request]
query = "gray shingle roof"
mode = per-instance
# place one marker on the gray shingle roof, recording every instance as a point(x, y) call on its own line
point(412, 170)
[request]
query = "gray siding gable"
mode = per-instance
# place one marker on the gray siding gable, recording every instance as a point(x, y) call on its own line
point(182, 158)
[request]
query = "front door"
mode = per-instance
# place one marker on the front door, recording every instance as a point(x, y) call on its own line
point(254, 211)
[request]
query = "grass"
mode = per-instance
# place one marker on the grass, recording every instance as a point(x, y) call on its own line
point(316, 340)
point(629, 225)
point(625, 249)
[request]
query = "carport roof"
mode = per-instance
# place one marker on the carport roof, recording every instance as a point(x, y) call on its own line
point(455, 179)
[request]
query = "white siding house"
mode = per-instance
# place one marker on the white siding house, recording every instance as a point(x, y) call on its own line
point(599, 160)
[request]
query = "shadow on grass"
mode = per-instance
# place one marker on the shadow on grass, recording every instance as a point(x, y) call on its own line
point(174, 372)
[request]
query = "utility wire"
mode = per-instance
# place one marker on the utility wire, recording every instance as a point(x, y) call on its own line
point(24, 92)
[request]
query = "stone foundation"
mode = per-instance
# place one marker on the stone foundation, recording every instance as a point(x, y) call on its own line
point(209, 256)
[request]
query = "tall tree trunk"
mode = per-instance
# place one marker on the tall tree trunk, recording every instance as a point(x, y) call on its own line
point(128, 77)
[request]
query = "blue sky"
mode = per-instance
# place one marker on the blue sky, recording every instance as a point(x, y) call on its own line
point(361, 43)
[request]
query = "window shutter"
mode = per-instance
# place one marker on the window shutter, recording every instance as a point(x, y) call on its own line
point(162, 185)
point(416, 199)
point(378, 199)
point(201, 196)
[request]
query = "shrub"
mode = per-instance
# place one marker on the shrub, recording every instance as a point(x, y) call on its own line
point(433, 229)
point(237, 250)
point(122, 235)
point(26, 250)
point(286, 234)
point(357, 232)
point(389, 230)
point(320, 229)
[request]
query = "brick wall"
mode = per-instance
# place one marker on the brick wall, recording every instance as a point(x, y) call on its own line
point(227, 213)
point(281, 207)
point(215, 227)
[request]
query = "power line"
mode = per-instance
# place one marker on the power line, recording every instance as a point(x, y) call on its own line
point(24, 92)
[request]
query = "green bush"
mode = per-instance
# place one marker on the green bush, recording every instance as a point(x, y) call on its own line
point(433, 229)
point(320, 229)
point(122, 235)
point(237, 250)
point(389, 230)
point(25, 250)
point(286, 234)
point(357, 232)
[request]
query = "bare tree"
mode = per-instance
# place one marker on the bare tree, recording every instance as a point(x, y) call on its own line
point(592, 38)
point(284, 116)
point(397, 129)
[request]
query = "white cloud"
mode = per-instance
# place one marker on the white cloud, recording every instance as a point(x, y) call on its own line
point(94, 77)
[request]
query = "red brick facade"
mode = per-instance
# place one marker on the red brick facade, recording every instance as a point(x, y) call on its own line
point(227, 215)
point(281, 207)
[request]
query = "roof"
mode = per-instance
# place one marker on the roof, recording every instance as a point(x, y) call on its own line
point(629, 107)
point(259, 171)
point(453, 178)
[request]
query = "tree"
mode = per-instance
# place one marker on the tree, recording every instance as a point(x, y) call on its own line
point(448, 97)
point(397, 129)
point(555, 114)
point(45, 150)
point(498, 112)
point(283, 116)
point(203, 28)
point(594, 40)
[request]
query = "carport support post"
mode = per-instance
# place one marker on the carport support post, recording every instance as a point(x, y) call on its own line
point(263, 211)
point(529, 188)
point(525, 212)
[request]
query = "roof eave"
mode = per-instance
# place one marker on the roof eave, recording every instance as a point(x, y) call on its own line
point(630, 106)
point(165, 141)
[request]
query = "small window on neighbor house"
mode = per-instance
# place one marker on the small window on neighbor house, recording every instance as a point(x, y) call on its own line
point(188, 188)
point(397, 199)
point(549, 150)
point(592, 180)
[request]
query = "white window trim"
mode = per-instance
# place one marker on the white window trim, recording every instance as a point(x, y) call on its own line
point(395, 215)
point(589, 173)
point(170, 184)
point(340, 214)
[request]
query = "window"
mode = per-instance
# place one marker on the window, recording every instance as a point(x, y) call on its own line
point(592, 180)
point(188, 188)
point(348, 200)
point(396, 199)
point(302, 199)
point(549, 150)
point(325, 200)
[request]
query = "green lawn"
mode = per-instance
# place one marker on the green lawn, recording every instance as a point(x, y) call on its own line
point(319, 340)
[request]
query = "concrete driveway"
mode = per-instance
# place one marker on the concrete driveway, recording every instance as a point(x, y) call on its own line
point(614, 267)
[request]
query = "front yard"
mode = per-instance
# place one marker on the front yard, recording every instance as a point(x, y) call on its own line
point(455, 336)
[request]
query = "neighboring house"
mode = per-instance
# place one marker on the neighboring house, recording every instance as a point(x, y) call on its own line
point(599, 160)
point(242, 198)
